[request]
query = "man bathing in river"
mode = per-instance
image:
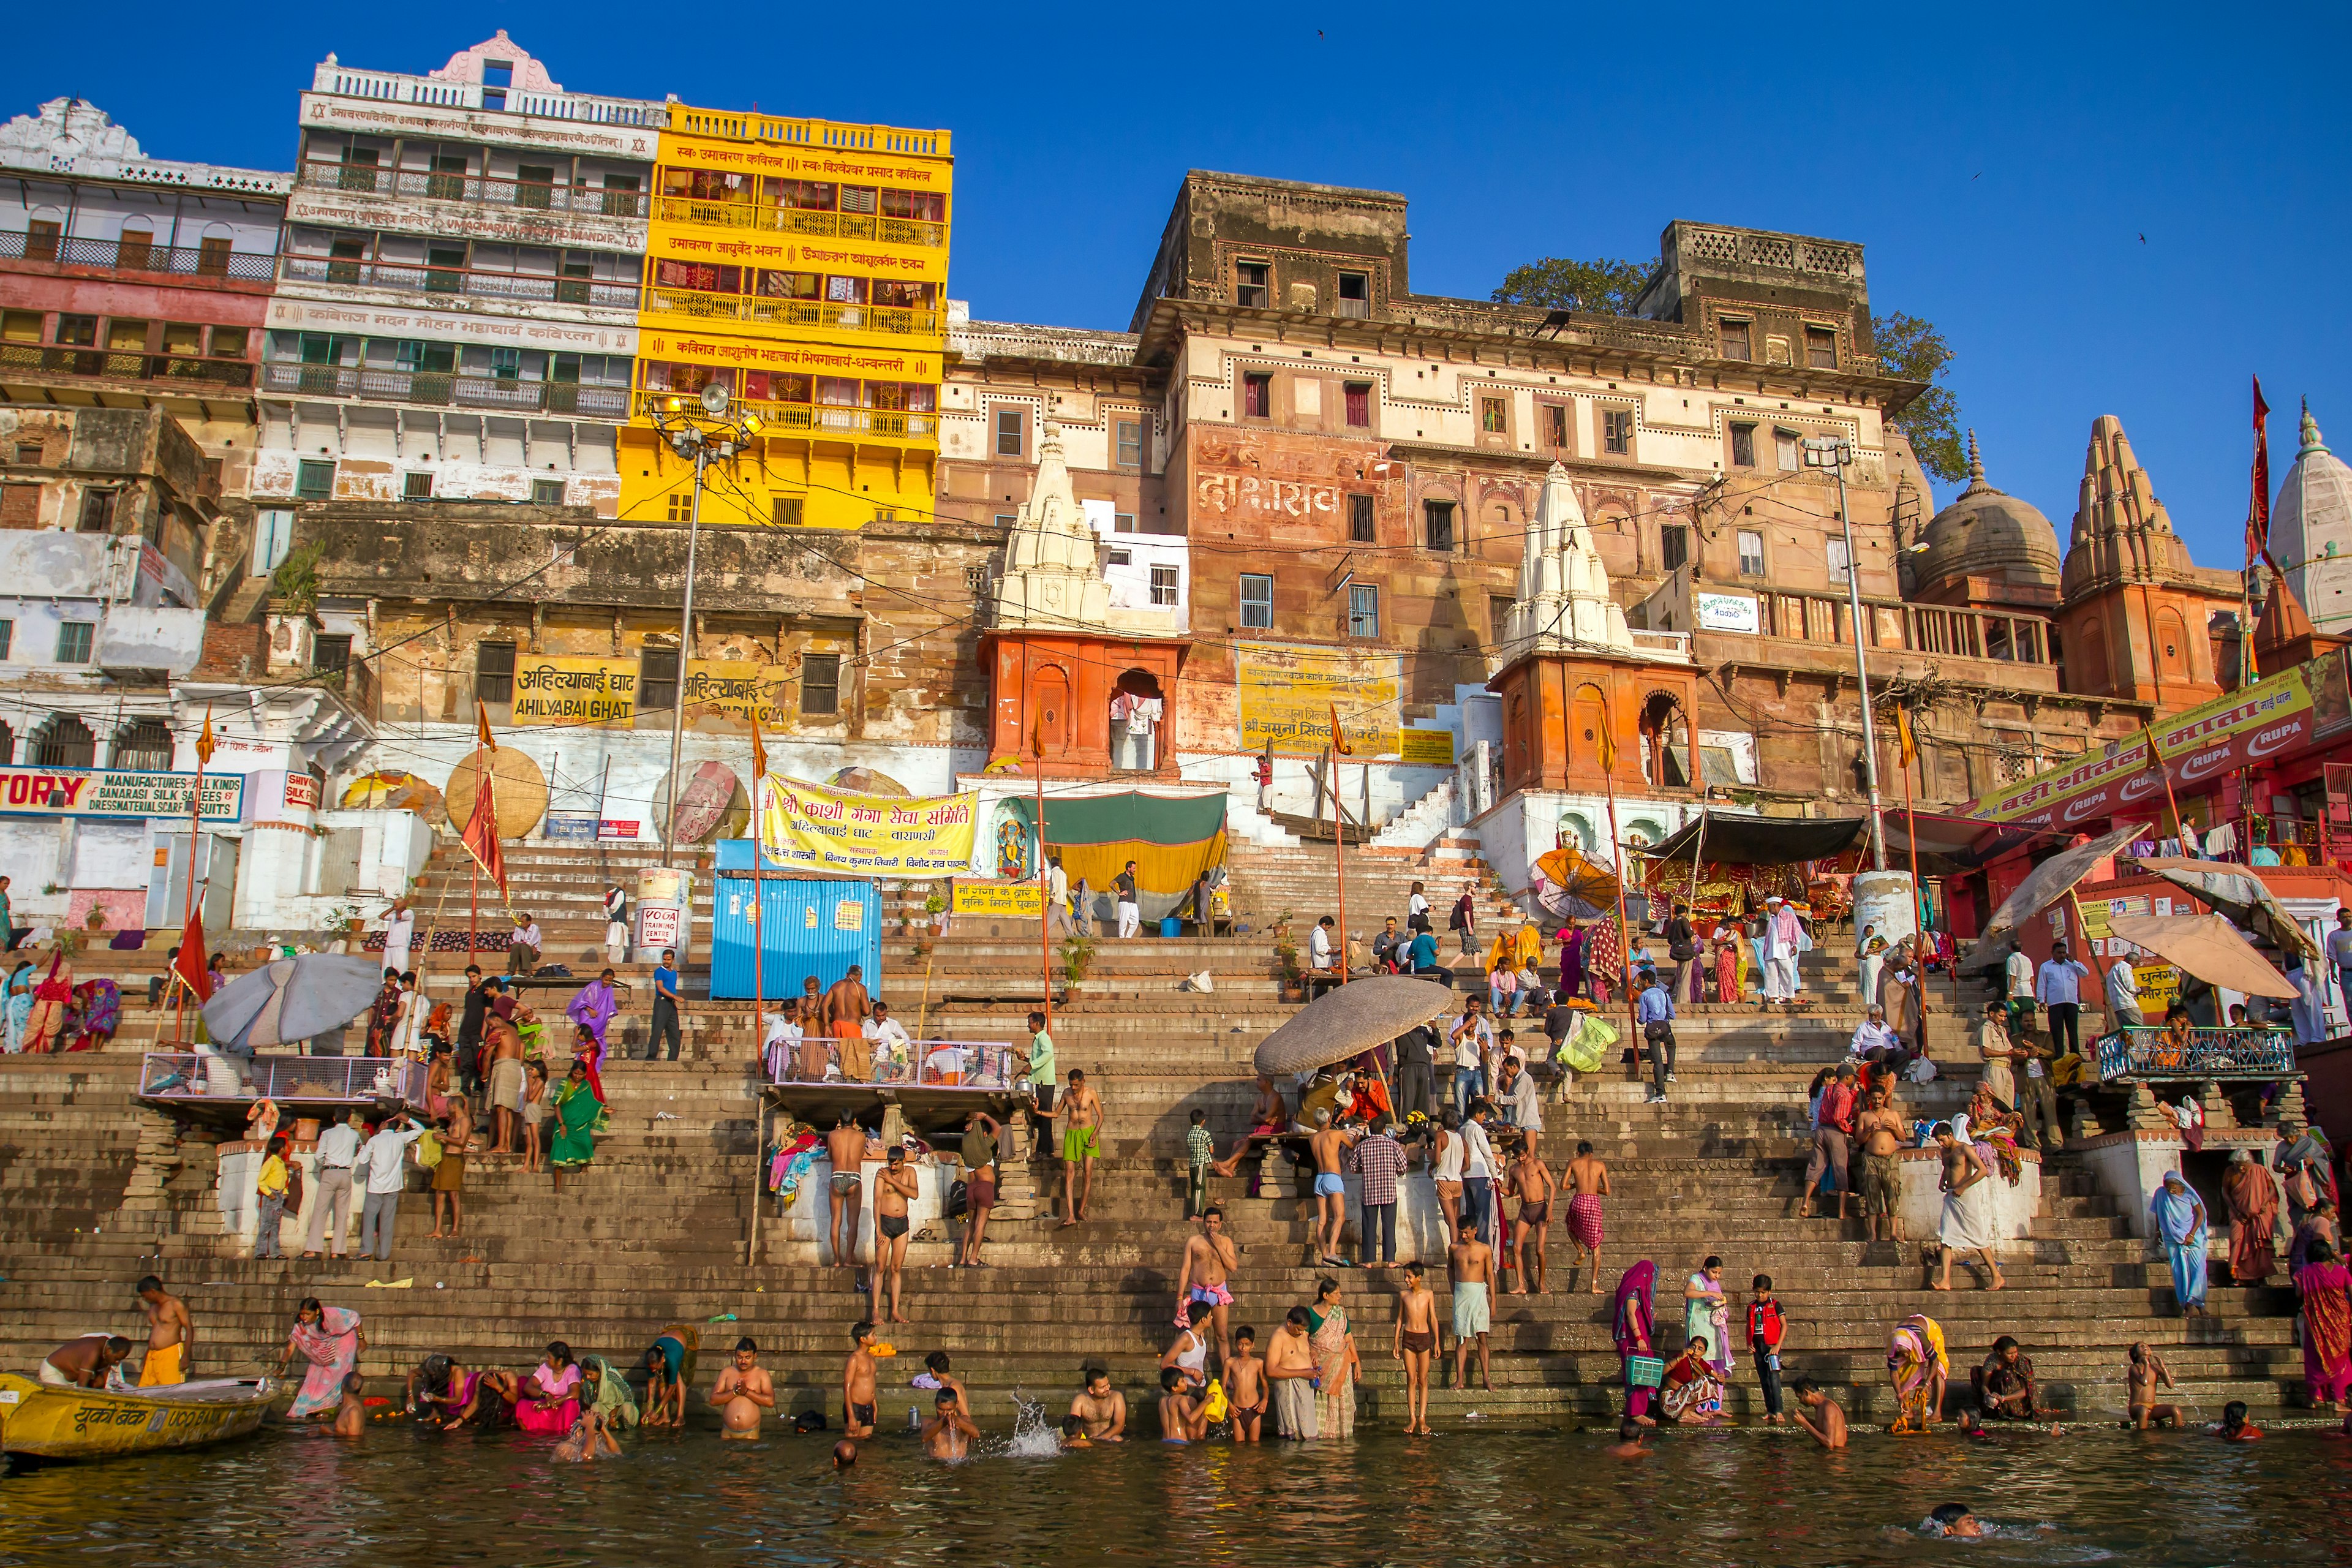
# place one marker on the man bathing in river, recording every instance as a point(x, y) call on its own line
point(1587, 1183)
point(894, 1184)
point(171, 1336)
point(742, 1393)
point(1100, 1406)
point(949, 1434)
point(2146, 1374)
point(858, 1395)
point(1204, 1281)
point(84, 1363)
point(350, 1412)
point(1183, 1411)
point(1818, 1413)
point(1245, 1387)
point(1416, 1341)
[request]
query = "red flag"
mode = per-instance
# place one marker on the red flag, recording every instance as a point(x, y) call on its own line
point(190, 965)
point(2258, 509)
point(481, 834)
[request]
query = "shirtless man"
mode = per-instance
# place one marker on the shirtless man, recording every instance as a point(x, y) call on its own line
point(1415, 1342)
point(893, 1185)
point(1102, 1407)
point(1587, 1183)
point(84, 1363)
point(350, 1411)
point(743, 1391)
point(845, 1146)
point(858, 1396)
point(171, 1336)
point(456, 1141)
point(2146, 1374)
point(1268, 1110)
point(1246, 1388)
point(1183, 1414)
point(947, 1435)
point(1879, 1131)
point(936, 1363)
point(1328, 1146)
point(1826, 1421)
point(1470, 1264)
point(1210, 1259)
point(846, 1007)
point(1081, 1145)
point(502, 1066)
point(1531, 1178)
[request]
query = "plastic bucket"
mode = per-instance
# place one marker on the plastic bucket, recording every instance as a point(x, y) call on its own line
point(1171, 926)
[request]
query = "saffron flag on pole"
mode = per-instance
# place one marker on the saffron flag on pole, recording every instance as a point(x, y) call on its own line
point(1903, 729)
point(1607, 744)
point(2258, 505)
point(1339, 736)
point(189, 968)
point(481, 833)
point(205, 739)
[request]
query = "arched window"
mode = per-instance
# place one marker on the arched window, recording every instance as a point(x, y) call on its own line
point(143, 746)
point(7, 745)
point(63, 741)
point(1575, 831)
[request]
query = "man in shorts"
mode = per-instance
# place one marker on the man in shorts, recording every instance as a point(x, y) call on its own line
point(1879, 1130)
point(1204, 1281)
point(894, 1184)
point(1081, 1145)
point(845, 1146)
point(1327, 1145)
point(860, 1395)
point(1471, 1264)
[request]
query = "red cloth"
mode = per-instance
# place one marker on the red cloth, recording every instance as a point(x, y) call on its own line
point(190, 965)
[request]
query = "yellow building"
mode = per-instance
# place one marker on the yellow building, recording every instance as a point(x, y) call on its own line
point(803, 263)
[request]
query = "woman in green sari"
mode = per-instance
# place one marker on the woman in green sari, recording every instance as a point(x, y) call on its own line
point(576, 1111)
point(607, 1393)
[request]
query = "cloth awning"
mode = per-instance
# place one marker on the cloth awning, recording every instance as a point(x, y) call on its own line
point(2207, 947)
point(2240, 893)
point(2053, 878)
point(1761, 840)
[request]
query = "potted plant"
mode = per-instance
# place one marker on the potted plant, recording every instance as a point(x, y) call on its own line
point(1078, 957)
point(1286, 956)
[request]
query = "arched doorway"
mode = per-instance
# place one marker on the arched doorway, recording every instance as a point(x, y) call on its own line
point(1666, 742)
point(1050, 720)
point(1137, 710)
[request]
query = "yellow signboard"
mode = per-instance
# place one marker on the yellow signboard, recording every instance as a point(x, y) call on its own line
point(598, 693)
point(1431, 748)
point(873, 365)
point(803, 828)
point(727, 689)
point(1286, 696)
point(1007, 900)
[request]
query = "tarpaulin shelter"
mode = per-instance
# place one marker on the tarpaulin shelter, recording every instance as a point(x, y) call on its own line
point(1171, 838)
point(2206, 946)
point(2240, 893)
point(1761, 840)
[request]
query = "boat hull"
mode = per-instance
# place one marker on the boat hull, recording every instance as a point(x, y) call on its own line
point(39, 1421)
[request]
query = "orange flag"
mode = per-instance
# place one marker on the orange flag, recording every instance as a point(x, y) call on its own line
point(205, 738)
point(1339, 736)
point(482, 724)
point(759, 752)
point(1903, 729)
point(481, 833)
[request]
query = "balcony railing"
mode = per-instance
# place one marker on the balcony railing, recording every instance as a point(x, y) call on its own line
point(765, 311)
point(134, 256)
point(288, 1080)
point(795, 220)
point(928, 1064)
point(414, 277)
point(1924, 628)
point(365, 179)
point(2152, 1053)
point(440, 389)
point(37, 359)
point(817, 419)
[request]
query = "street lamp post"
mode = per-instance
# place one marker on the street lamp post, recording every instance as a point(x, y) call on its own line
point(1833, 453)
point(704, 431)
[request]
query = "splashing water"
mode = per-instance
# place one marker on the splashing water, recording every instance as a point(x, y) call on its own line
point(1034, 1438)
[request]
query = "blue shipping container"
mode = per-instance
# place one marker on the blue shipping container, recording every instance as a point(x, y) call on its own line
point(811, 925)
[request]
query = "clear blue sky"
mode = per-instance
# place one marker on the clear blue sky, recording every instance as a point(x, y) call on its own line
point(2001, 165)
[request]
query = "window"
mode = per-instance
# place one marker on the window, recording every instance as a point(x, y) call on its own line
point(78, 331)
point(1358, 397)
point(42, 239)
point(1008, 432)
point(784, 511)
point(343, 259)
point(1355, 294)
point(62, 741)
point(228, 343)
point(1785, 450)
point(1437, 525)
point(1130, 443)
point(1743, 445)
point(1839, 561)
point(1360, 520)
point(314, 481)
point(1751, 553)
point(212, 256)
point(132, 247)
point(493, 671)
point(1253, 284)
point(506, 364)
point(1257, 396)
point(658, 680)
point(1617, 431)
point(1122, 558)
point(73, 643)
point(29, 454)
point(1363, 610)
point(20, 506)
point(144, 745)
point(547, 493)
point(1555, 420)
point(126, 337)
point(97, 511)
point(1257, 602)
point(621, 198)
point(416, 487)
point(331, 653)
point(1498, 614)
point(7, 639)
point(20, 326)
point(1736, 340)
point(821, 683)
point(1674, 546)
point(1820, 348)
point(534, 185)
point(1122, 522)
point(1163, 586)
point(1492, 418)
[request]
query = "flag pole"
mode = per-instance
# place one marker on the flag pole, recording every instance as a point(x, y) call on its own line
point(759, 891)
point(1339, 850)
point(1617, 853)
point(1044, 931)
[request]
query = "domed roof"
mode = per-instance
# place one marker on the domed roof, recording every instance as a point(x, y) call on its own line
point(2311, 519)
point(1985, 532)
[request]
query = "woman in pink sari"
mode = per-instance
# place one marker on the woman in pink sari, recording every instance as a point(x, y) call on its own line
point(547, 1403)
point(2325, 1287)
point(329, 1338)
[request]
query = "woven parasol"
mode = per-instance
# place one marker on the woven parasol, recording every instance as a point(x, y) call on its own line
point(2207, 947)
point(2054, 879)
point(1350, 1019)
point(521, 792)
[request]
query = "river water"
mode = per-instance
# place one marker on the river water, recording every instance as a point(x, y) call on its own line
point(402, 1495)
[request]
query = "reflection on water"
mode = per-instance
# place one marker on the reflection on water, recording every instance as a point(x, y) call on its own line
point(405, 1496)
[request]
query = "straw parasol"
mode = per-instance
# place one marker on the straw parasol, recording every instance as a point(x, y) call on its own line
point(1350, 1019)
point(2207, 947)
point(521, 790)
point(2054, 879)
point(2239, 892)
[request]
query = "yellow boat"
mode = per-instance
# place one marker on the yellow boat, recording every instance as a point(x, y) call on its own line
point(47, 1422)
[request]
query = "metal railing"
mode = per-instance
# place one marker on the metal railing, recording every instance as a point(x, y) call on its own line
point(366, 179)
point(819, 419)
point(441, 389)
point(929, 1064)
point(289, 1079)
point(137, 255)
point(2152, 1052)
point(416, 278)
point(124, 365)
point(705, 213)
point(1826, 617)
point(765, 311)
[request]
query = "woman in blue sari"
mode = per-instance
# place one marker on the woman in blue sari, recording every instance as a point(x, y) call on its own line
point(19, 1004)
point(2178, 1217)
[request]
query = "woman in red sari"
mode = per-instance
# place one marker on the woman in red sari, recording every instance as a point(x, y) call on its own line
point(2325, 1287)
point(2248, 1187)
